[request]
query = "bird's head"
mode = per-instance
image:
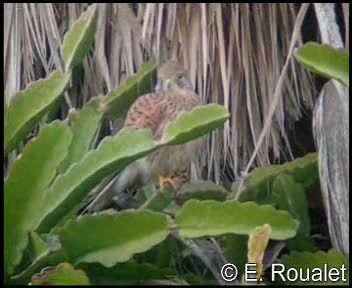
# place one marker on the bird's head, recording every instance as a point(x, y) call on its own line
point(173, 75)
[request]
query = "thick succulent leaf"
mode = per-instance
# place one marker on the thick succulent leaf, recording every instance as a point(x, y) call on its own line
point(63, 274)
point(302, 242)
point(79, 39)
point(54, 110)
point(28, 106)
point(325, 60)
point(198, 122)
point(26, 186)
point(49, 259)
point(258, 185)
point(290, 196)
point(112, 155)
point(35, 250)
point(84, 125)
point(159, 200)
point(37, 247)
point(123, 272)
point(203, 190)
point(235, 250)
point(117, 102)
point(163, 254)
point(145, 194)
point(284, 186)
point(115, 153)
point(210, 218)
point(308, 260)
point(116, 238)
point(198, 280)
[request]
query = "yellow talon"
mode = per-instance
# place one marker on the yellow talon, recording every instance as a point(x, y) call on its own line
point(169, 180)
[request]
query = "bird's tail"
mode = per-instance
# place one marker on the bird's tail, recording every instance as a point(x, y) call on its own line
point(103, 197)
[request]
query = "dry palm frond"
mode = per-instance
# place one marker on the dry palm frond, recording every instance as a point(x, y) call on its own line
point(235, 54)
point(278, 89)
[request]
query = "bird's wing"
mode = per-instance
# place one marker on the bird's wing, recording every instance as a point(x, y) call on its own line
point(146, 112)
point(156, 110)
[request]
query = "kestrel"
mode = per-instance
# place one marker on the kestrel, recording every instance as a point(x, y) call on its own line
point(173, 95)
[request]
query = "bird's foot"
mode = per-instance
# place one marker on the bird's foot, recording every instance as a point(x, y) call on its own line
point(163, 180)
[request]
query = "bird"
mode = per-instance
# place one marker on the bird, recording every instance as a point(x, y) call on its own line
point(169, 165)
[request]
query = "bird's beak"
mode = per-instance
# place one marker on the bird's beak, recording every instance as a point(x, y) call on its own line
point(168, 82)
point(164, 84)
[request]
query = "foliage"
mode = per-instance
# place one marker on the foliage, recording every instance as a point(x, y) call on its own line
point(331, 127)
point(63, 274)
point(46, 244)
point(117, 102)
point(200, 218)
point(235, 51)
point(325, 61)
point(79, 39)
point(317, 260)
point(26, 188)
point(203, 190)
point(84, 124)
point(28, 106)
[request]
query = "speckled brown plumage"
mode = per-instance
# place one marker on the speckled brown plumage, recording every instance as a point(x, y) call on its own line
point(156, 110)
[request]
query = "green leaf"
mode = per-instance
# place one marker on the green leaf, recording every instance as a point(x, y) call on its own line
point(63, 274)
point(116, 238)
point(145, 194)
point(28, 106)
point(258, 186)
point(26, 187)
point(165, 254)
point(325, 60)
point(51, 258)
point(302, 242)
point(35, 250)
point(84, 125)
point(284, 186)
point(307, 260)
point(235, 250)
point(79, 39)
point(210, 218)
point(55, 109)
point(37, 247)
point(119, 100)
point(197, 280)
point(193, 124)
point(125, 272)
point(112, 155)
point(160, 200)
point(289, 195)
point(202, 190)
